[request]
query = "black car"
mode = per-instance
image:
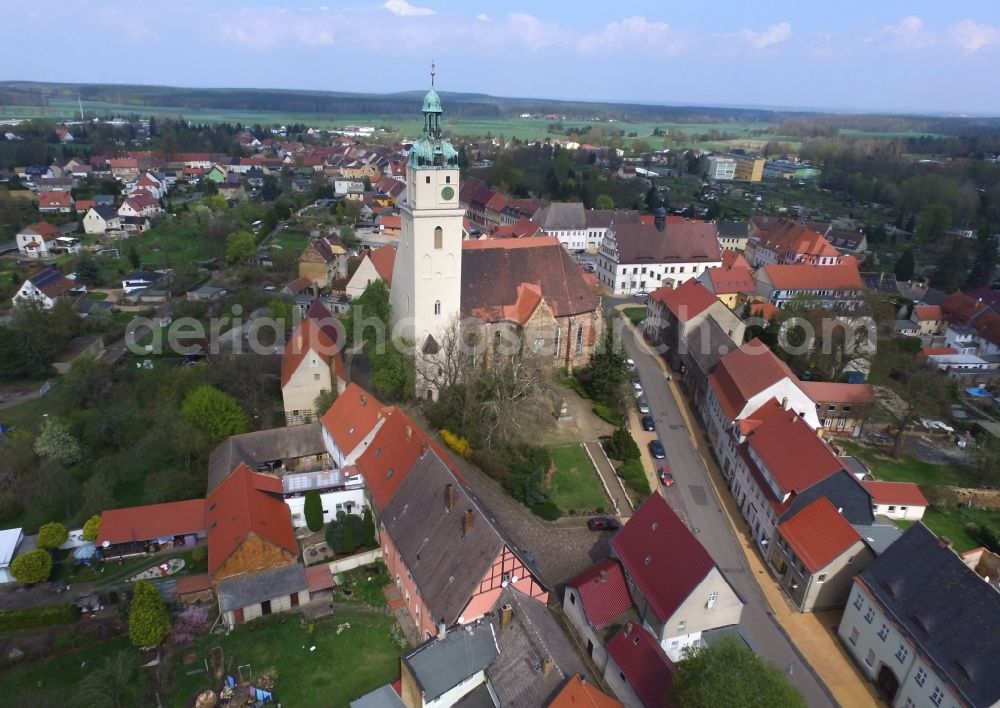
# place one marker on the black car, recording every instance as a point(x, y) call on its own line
point(656, 450)
point(603, 523)
point(648, 424)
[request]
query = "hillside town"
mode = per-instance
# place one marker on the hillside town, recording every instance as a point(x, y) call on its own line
point(340, 417)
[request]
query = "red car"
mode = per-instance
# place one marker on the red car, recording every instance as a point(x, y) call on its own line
point(666, 476)
point(603, 523)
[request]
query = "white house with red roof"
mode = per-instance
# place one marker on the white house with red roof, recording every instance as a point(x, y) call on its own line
point(677, 590)
point(786, 242)
point(777, 456)
point(816, 555)
point(742, 381)
point(311, 365)
point(833, 287)
point(350, 425)
point(139, 205)
point(36, 240)
point(46, 287)
point(56, 202)
point(597, 603)
point(376, 264)
point(897, 500)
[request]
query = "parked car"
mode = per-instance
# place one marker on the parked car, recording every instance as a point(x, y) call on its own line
point(637, 387)
point(656, 450)
point(603, 523)
point(642, 405)
point(666, 477)
point(648, 424)
point(630, 364)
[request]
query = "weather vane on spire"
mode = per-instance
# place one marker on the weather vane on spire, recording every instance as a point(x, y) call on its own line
point(433, 71)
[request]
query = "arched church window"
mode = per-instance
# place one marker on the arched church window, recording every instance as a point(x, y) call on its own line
point(579, 339)
point(437, 307)
point(438, 238)
point(558, 338)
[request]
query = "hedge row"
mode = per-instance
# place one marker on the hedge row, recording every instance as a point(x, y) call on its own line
point(11, 620)
point(634, 476)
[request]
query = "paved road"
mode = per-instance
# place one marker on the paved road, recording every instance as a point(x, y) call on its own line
point(694, 498)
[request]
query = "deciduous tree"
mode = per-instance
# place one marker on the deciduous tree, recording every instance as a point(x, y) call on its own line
point(729, 674)
point(91, 528)
point(32, 567)
point(148, 621)
point(215, 412)
point(240, 245)
point(56, 442)
point(52, 535)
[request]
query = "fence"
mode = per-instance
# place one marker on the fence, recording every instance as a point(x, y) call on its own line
point(355, 561)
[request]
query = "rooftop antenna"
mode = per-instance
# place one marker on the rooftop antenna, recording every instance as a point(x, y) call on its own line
point(433, 72)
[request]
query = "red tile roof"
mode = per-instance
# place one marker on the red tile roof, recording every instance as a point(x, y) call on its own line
point(578, 693)
point(142, 523)
point(192, 583)
point(647, 669)
point(733, 279)
point(393, 453)
point(793, 454)
point(818, 534)
point(44, 229)
point(247, 503)
point(298, 285)
point(745, 372)
point(734, 259)
point(958, 308)
point(319, 578)
point(384, 259)
point(828, 392)
point(935, 351)
point(764, 310)
point(661, 556)
point(903, 493)
point(309, 337)
point(803, 276)
point(390, 221)
point(687, 300)
point(55, 199)
point(603, 592)
point(351, 417)
point(988, 327)
point(928, 312)
point(528, 298)
point(784, 236)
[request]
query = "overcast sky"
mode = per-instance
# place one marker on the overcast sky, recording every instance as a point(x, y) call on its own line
point(883, 55)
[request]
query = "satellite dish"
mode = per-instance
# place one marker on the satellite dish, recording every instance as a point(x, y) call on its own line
point(105, 544)
point(504, 584)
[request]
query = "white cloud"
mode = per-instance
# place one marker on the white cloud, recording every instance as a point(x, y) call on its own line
point(970, 36)
point(483, 17)
point(262, 30)
point(910, 34)
point(401, 8)
point(775, 34)
point(529, 30)
point(632, 33)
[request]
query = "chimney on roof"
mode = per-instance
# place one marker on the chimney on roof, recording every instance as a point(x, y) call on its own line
point(603, 576)
point(506, 615)
point(660, 220)
point(547, 666)
point(364, 398)
point(467, 523)
point(409, 433)
point(628, 629)
point(449, 497)
point(442, 631)
point(784, 403)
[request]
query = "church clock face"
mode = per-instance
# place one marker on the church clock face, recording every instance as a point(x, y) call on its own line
point(447, 193)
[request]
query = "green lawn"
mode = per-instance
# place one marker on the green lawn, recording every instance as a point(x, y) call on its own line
point(25, 415)
point(343, 666)
point(290, 239)
point(904, 469)
point(363, 590)
point(636, 314)
point(954, 523)
point(51, 682)
point(574, 484)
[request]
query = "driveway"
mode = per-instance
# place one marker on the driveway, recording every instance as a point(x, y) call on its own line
point(694, 498)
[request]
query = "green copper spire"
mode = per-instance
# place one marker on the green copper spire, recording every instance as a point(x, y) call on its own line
point(432, 109)
point(432, 150)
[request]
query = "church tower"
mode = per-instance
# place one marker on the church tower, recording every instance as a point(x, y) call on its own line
point(427, 276)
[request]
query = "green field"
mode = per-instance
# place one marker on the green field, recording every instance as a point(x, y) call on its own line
point(635, 314)
point(52, 681)
point(954, 524)
point(574, 485)
point(342, 667)
point(906, 468)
